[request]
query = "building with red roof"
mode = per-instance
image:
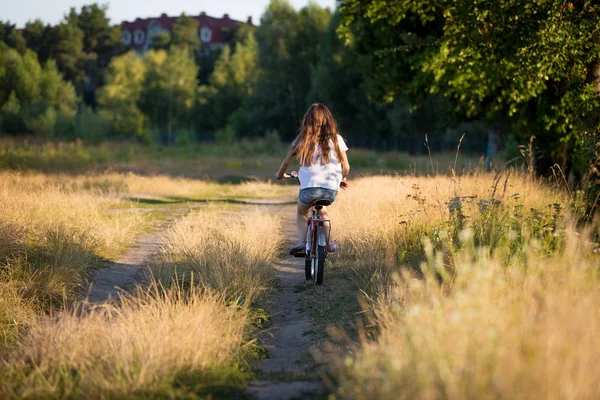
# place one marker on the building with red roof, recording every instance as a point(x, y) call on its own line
point(213, 32)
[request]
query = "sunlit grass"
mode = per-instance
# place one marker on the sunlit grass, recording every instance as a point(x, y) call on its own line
point(231, 252)
point(160, 342)
point(185, 331)
point(475, 287)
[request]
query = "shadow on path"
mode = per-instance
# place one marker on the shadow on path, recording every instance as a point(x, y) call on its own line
point(179, 200)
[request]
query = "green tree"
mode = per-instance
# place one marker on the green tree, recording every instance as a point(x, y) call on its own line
point(161, 41)
point(337, 81)
point(170, 89)
point(69, 53)
point(185, 32)
point(288, 44)
point(32, 98)
point(40, 38)
point(532, 62)
point(118, 99)
point(12, 37)
point(233, 79)
point(25, 73)
point(100, 37)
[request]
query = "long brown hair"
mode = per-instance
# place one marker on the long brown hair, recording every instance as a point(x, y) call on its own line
point(318, 126)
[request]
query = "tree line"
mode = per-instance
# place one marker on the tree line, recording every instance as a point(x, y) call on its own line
point(509, 70)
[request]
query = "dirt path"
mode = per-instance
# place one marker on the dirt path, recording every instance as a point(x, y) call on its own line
point(114, 276)
point(286, 341)
point(107, 281)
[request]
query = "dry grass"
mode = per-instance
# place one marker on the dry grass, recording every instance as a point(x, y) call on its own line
point(381, 221)
point(156, 341)
point(500, 301)
point(55, 228)
point(232, 252)
point(50, 238)
point(185, 336)
point(131, 186)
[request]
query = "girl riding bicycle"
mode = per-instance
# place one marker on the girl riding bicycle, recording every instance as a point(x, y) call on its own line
point(321, 153)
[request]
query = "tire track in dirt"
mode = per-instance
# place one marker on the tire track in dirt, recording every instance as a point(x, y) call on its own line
point(286, 341)
point(113, 277)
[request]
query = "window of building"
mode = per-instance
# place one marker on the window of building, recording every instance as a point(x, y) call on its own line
point(205, 34)
point(139, 36)
point(126, 37)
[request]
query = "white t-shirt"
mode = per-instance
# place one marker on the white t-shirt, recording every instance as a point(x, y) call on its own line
point(327, 176)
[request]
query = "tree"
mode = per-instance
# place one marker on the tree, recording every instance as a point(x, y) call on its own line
point(288, 43)
point(101, 42)
point(99, 36)
point(118, 99)
point(41, 39)
point(59, 93)
point(532, 62)
point(312, 24)
point(185, 32)
point(32, 97)
point(169, 89)
point(161, 41)
point(69, 53)
point(12, 37)
point(233, 79)
point(337, 82)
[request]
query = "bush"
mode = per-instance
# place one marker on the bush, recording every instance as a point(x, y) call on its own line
point(91, 127)
point(40, 119)
point(225, 135)
point(184, 137)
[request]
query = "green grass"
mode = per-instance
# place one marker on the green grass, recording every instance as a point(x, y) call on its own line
point(231, 163)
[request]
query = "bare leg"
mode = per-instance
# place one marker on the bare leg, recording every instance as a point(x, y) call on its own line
point(302, 221)
point(325, 215)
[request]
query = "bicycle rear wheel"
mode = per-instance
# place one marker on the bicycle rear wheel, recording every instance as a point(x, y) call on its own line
point(308, 261)
point(320, 265)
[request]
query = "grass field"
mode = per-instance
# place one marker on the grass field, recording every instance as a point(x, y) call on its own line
point(57, 228)
point(208, 161)
point(475, 285)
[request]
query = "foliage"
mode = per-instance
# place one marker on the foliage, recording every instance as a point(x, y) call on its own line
point(465, 51)
point(169, 89)
point(69, 49)
point(118, 99)
point(232, 82)
point(185, 32)
point(40, 38)
point(32, 98)
point(288, 43)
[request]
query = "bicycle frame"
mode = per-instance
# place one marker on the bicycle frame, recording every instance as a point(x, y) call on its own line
point(315, 234)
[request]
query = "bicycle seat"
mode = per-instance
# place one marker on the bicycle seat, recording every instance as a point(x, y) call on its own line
point(321, 203)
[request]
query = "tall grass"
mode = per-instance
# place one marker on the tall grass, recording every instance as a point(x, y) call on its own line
point(183, 334)
point(477, 287)
point(160, 343)
point(50, 238)
point(232, 252)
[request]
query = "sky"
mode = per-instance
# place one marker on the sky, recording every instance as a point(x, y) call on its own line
point(52, 11)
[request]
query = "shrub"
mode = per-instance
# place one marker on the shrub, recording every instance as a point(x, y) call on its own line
point(91, 127)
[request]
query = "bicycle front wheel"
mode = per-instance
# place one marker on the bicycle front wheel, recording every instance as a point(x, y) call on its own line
point(308, 267)
point(320, 265)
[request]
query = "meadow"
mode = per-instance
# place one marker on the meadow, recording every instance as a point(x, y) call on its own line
point(235, 162)
point(56, 229)
point(472, 286)
point(464, 284)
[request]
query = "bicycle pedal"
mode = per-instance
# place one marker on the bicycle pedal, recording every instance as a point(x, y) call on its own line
point(300, 254)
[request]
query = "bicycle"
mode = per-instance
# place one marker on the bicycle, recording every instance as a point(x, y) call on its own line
point(317, 241)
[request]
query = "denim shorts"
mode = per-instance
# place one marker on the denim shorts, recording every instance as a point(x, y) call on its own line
point(307, 195)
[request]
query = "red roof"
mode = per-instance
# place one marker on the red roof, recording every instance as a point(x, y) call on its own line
point(166, 22)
